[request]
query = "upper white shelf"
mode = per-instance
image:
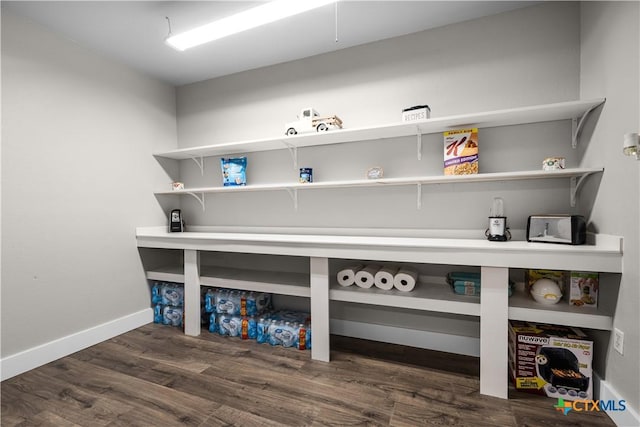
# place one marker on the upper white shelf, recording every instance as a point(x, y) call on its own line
point(506, 117)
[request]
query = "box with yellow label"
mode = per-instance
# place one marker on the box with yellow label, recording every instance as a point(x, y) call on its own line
point(461, 152)
point(552, 360)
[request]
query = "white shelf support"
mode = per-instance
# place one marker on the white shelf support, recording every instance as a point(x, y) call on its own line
point(199, 197)
point(419, 142)
point(575, 184)
point(494, 304)
point(319, 284)
point(191, 292)
point(419, 196)
point(200, 162)
point(293, 192)
point(577, 124)
point(293, 150)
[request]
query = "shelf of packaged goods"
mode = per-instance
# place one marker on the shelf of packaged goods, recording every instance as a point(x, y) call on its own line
point(425, 296)
point(276, 282)
point(576, 176)
point(573, 110)
point(523, 307)
point(168, 273)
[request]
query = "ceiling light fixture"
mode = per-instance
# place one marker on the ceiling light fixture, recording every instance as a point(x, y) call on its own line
point(243, 21)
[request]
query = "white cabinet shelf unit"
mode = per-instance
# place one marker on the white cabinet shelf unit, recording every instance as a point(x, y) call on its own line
point(494, 308)
point(571, 110)
point(574, 110)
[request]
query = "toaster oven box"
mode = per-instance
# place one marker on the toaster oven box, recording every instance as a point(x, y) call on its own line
point(555, 361)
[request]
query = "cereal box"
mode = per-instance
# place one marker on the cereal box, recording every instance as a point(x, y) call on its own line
point(583, 289)
point(461, 152)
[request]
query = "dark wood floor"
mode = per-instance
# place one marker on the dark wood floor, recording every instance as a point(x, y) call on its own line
point(156, 376)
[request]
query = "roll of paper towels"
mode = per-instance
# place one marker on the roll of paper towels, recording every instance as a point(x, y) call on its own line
point(384, 278)
point(405, 280)
point(366, 277)
point(347, 276)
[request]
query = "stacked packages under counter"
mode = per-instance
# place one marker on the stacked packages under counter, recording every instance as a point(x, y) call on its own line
point(493, 307)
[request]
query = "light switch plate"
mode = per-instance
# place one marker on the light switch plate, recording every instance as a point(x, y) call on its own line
point(618, 340)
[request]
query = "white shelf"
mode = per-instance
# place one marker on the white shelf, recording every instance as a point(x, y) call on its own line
point(437, 179)
point(276, 282)
point(283, 283)
point(523, 307)
point(604, 255)
point(171, 273)
point(437, 297)
point(506, 117)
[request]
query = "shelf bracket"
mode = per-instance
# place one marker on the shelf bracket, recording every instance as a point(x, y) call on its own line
point(199, 197)
point(419, 195)
point(293, 150)
point(293, 193)
point(419, 142)
point(200, 162)
point(575, 184)
point(577, 124)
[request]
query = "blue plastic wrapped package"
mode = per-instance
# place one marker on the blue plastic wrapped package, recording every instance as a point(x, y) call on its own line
point(254, 303)
point(210, 301)
point(234, 171)
point(172, 316)
point(466, 283)
point(213, 324)
point(157, 313)
point(283, 333)
point(228, 301)
point(237, 326)
point(291, 316)
point(262, 333)
point(156, 293)
point(172, 294)
point(249, 328)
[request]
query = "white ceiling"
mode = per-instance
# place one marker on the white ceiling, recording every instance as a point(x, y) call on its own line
point(133, 32)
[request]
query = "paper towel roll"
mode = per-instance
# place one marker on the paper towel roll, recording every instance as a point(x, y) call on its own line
point(405, 280)
point(347, 276)
point(384, 278)
point(366, 276)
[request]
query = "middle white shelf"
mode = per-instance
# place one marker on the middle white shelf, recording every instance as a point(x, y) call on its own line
point(576, 175)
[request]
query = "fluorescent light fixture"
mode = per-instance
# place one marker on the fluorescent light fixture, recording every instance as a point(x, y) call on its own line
point(243, 21)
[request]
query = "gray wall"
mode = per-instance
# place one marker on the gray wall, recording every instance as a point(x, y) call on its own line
point(77, 178)
point(610, 67)
point(520, 58)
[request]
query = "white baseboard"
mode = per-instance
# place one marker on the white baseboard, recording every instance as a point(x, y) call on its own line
point(24, 361)
point(468, 346)
point(627, 418)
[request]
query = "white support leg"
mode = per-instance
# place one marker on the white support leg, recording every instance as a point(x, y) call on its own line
point(494, 311)
point(192, 292)
point(319, 272)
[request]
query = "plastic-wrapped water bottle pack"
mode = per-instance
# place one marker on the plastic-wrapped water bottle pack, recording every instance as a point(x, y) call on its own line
point(234, 302)
point(167, 299)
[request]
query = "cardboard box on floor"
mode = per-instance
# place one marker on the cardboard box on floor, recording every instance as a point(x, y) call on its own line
point(552, 360)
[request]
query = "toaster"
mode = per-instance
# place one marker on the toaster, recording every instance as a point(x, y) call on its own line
point(567, 229)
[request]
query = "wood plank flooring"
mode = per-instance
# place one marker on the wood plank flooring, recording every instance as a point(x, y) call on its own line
point(156, 376)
